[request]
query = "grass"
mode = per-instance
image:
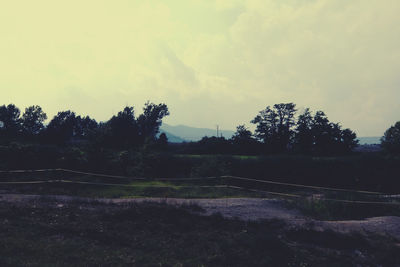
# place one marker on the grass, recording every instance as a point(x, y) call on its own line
point(318, 209)
point(142, 190)
point(45, 233)
point(331, 210)
point(129, 188)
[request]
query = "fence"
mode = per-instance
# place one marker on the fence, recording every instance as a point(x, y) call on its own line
point(221, 178)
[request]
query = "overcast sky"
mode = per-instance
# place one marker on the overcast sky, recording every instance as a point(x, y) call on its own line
point(211, 61)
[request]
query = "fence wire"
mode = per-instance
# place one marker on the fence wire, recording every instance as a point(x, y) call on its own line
point(62, 181)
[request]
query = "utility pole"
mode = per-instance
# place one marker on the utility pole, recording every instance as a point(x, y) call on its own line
point(217, 130)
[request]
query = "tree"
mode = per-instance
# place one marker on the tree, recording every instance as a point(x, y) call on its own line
point(303, 140)
point(213, 145)
point(85, 127)
point(329, 137)
point(242, 135)
point(32, 120)
point(150, 121)
point(243, 141)
point(349, 140)
point(321, 131)
point(62, 127)
point(122, 129)
point(162, 141)
point(10, 120)
point(391, 139)
point(274, 126)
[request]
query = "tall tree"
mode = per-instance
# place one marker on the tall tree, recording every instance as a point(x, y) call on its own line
point(329, 137)
point(275, 126)
point(32, 120)
point(321, 130)
point(303, 141)
point(62, 127)
point(243, 141)
point(85, 127)
point(242, 135)
point(391, 139)
point(349, 140)
point(10, 120)
point(150, 121)
point(266, 128)
point(122, 128)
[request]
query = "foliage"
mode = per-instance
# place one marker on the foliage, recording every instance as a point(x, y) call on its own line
point(150, 121)
point(125, 130)
point(67, 127)
point(275, 126)
point(243, 141)
point(331, 210)
point(277, 131)
point(10, 121)
point(32, 120)
point(280, 132)
point(122, 130)
point(391, 139)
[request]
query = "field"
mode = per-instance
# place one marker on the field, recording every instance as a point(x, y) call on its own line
point(49, 233)
point(316, 202)
point(88, 230)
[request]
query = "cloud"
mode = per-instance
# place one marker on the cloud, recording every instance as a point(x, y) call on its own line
point(235, 56)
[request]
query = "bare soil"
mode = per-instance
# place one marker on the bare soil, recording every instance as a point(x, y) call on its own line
point(248, 209)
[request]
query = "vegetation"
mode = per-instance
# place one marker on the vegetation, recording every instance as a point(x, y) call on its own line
point(308, 150)
point(121, 131)
point(277, 131)
point(331, 210)
point(370, 171)
point(391, 139)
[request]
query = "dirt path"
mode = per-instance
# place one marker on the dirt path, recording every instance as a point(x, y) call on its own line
point(245, 209)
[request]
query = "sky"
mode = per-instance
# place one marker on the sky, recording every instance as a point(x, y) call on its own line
point(211, 61)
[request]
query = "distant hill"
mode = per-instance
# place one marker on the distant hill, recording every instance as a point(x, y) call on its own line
point(369, 140)
point(183, 133)
point(187, 133)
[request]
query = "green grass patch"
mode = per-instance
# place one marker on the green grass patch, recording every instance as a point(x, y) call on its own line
point(332, 210)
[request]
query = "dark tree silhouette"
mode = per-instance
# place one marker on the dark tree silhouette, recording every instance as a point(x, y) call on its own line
point(321, 130)
point(318, 135)
point(62, 127)
point(242, 134)
point(243, 141)
point(213, 145)
point(274, 126)
point(391, 139)
point(303, 141)
point(150, 121)
point(122, 129)
point(349, 140)
point(10, 121)
point(162, 141)
point(32, 120)
point(85, 127)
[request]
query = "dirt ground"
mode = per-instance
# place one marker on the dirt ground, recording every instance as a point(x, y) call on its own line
point(250, 209)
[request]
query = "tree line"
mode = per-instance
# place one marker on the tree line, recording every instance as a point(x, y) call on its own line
point(279, 130)
point(122, 130)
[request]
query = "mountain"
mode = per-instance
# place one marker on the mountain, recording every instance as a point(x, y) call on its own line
point(369, 140)
point(183, 133)
point(187, 133)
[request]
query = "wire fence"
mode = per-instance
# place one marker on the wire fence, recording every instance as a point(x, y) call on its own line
point(226, 180)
